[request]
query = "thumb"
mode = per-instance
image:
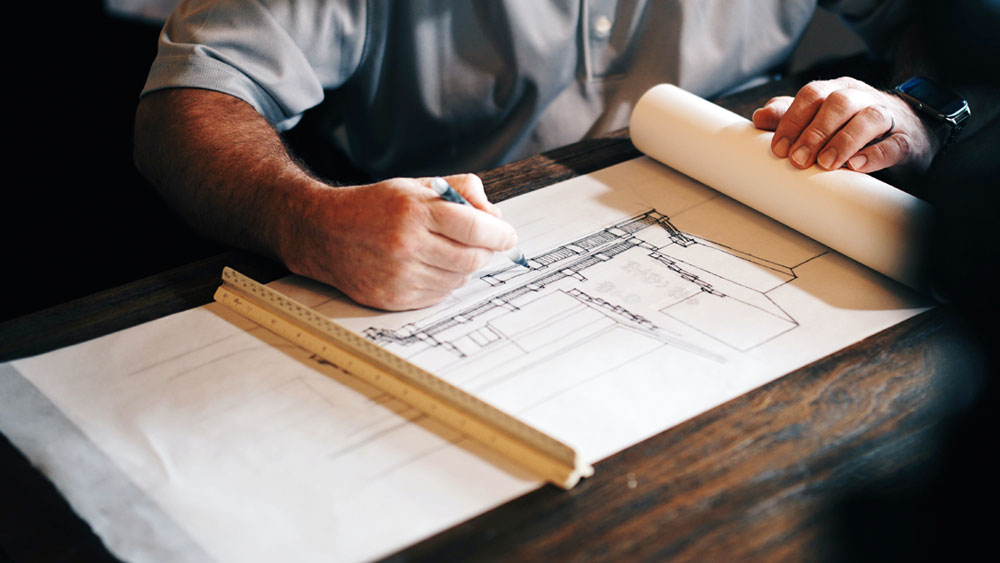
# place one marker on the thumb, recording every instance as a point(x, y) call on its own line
point(768, 117)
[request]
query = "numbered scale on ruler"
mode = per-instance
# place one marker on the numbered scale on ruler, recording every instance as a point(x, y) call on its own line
point(524, 445)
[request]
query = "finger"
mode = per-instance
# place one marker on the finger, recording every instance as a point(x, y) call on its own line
point(799, 114)
point(431, 279)
point(883, 154)
point(471, 188)
point(407, 297)
point(803, 109)
point(471, 227)
point(868, 125)
point(395, 284)
point(767, 117)
point(410, 301)
point(839, 107)
point(411, 284)
point(443, 253)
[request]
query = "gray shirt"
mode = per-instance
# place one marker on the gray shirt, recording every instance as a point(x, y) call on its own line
point(424, 87)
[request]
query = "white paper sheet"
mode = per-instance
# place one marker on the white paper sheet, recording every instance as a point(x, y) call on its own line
point(651, 299)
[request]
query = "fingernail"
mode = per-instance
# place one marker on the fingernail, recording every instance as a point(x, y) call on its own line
point(781, 147)
point(826, 158)
point(801, 155)
point(857, 161)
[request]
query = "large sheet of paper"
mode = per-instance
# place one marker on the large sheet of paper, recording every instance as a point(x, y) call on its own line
point(651, 298)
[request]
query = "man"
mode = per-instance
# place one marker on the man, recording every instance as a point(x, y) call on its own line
point(419, 88)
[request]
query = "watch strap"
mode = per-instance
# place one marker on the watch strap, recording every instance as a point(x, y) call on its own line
point(955, 121)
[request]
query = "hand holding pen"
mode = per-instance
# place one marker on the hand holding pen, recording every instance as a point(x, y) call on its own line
point(395, 244)
point(448, 193)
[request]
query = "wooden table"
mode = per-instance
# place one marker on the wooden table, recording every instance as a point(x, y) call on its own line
point(783, 472)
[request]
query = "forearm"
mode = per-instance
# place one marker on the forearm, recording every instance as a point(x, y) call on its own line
point(222, 167)
point(393, 245)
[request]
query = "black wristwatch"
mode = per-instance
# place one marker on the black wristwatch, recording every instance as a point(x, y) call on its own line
point(937, 103)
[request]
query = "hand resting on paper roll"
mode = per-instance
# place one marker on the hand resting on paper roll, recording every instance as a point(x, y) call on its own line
point(846, 122)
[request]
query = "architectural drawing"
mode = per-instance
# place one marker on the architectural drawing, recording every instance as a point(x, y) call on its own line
point(682, 289)
point(649, 299)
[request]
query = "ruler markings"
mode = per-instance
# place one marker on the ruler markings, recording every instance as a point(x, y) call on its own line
point(515, 440)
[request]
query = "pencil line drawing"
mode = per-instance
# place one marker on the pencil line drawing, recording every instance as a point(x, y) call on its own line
point(642, 276)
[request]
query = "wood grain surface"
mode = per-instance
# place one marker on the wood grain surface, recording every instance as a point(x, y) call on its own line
point(758, 478)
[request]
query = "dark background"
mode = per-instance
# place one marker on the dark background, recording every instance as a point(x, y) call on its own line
point(77, 217)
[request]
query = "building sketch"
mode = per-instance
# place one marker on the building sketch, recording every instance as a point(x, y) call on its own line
point(642, 275)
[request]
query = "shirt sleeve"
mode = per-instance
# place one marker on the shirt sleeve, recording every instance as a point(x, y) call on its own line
point(877, 22)
point(277, 56)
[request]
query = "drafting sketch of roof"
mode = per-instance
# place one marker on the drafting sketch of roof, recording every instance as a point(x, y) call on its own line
point(641, 275)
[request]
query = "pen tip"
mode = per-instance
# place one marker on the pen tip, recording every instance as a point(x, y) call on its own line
point(517, 256)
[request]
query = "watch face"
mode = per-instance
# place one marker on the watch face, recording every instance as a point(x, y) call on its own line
point(933, 96)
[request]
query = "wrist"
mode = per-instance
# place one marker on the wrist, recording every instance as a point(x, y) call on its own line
point(295, 214)
point(944, 112)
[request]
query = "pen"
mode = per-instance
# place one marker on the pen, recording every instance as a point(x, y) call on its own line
point(448, 193)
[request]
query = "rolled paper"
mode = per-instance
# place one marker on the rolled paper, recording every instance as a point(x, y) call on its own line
point(855, 214)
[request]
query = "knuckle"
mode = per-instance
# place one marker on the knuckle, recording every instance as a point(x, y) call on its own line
point(876, 114)
point(778, 101)
point(469, 184)
point(839, 100)
point(472, 228)
point(848, 81)
point(399, 243)
point(792, 123)
point(889, 151)
point(470, 179)
point(811, 91)
point(879, 152)
point(848, 138)
point(469, 229)
point(903, 146)
point(792, 126)
point(869, 115)
point(399, 204)
point(813, 136)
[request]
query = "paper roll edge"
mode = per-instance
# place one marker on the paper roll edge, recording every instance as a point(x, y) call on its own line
point(908, 267)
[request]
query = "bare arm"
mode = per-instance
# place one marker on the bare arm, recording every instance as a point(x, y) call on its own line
point(196, 146)
point(391, 245)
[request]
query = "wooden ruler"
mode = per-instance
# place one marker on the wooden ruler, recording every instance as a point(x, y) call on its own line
point(524, 445)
